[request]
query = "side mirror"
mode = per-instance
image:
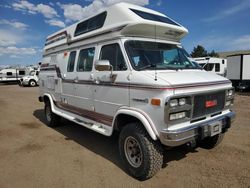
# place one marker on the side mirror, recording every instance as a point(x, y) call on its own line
point(102, 65)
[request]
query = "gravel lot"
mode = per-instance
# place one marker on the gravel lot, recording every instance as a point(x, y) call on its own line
point(34, 155)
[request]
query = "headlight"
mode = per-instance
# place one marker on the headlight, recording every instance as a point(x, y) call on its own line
point(178, 102)
point(228, 103)
point(173, 102)
point(182, 101)
point(178, 115)
point(230, 94)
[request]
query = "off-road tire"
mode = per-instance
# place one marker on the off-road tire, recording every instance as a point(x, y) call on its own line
point(52, 120)
point(32, 83)
point(152, 152)
point(211, 142)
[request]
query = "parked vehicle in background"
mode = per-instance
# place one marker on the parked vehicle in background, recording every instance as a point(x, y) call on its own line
point(238, 71)
point(30, 80)
point(12, 75)
point(213, 64)
point(129, 74)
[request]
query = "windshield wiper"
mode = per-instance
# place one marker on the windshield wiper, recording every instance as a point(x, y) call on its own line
point(147, 66)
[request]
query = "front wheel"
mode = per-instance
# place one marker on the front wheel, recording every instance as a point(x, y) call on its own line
point(142, 156)
point(52, 119)
point(32, 83)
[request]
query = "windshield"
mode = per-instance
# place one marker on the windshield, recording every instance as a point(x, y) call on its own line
point(157, 56)
point(32, 73)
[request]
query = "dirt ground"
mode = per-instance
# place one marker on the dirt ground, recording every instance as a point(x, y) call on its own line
point(34, 155)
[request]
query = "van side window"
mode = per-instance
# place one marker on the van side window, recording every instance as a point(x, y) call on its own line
point(85, 60)
point(9, 73)
point(71, 62)
point(21, 72)
point(217, 67)
point(113, 53)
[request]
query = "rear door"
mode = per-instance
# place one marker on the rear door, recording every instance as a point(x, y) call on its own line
point(84, 80)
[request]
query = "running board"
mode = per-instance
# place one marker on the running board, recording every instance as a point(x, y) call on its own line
point(95, 126)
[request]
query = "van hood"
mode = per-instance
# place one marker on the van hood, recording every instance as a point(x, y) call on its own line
point(188, 77)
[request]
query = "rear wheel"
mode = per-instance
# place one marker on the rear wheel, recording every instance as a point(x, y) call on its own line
point(211, 142)
point(142, 156)
point(32, 83)
point(52, 119)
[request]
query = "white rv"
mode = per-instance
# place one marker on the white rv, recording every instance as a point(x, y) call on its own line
point(124, 70)
point(213, 64)
point(11, 75)
point(239, 71)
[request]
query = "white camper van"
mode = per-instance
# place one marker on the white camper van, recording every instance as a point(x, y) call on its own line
point(239, 71)
point(124, 70)
point(11, 75)
point(213, 64)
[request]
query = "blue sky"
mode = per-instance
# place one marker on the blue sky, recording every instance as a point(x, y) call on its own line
point(217, 25)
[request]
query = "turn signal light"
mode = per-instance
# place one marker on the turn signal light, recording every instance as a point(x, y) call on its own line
point(156, 102)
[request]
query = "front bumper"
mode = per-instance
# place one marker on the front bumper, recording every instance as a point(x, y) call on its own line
point(198, 131)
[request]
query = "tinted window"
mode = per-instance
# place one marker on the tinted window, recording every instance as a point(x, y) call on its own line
point(217, 67)
point(209, 66)
point(21, 72)
point(153, 17)
point(85, 60)
point(71, 62)
point(9, 73)
point(91, 24)
point(113, 53)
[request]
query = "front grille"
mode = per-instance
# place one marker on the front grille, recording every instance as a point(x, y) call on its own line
point(200, 108)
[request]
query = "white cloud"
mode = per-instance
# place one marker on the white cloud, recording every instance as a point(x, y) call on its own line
point(27, 7)
point(5, 6)
point(75, 12)
point(55, 22)
point(225, 43)
point(8, 38)
point(15, 56)
point(242, 43)
point(47, 11)
point(241, 5)
point(18, 25)
point(12, 50)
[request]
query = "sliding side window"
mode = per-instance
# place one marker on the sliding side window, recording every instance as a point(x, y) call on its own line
point(71, 62)
point(85, 60)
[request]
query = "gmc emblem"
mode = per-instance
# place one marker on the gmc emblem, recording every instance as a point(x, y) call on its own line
point(211, 103)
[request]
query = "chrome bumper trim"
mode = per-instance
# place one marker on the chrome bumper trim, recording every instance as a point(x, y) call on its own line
point(197, 131)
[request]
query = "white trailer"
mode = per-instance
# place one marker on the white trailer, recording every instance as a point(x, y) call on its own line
point(213, 64)
point(12, 75)
point(238, 71)
point(124, 70)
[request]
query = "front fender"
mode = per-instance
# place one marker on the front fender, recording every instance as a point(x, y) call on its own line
point(144, 119)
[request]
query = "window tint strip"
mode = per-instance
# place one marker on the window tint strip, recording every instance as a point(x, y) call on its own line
point(91, 24)
point(154, 17)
